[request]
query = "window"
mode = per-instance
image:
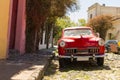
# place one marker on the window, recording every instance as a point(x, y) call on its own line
point(109, 35)
point(90, 16)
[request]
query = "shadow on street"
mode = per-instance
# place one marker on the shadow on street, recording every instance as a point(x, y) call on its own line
point(76, 66)
point(84, 66)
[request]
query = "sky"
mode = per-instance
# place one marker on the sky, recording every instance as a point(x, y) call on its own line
point(84, 4)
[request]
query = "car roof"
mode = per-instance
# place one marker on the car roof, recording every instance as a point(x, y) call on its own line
point(111, 40)
point(81, 27)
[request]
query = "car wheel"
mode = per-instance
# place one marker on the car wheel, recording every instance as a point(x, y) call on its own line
point(100, 61)
point(61, 63)
point(119, 52)
point(109, 50)
point(116, 52)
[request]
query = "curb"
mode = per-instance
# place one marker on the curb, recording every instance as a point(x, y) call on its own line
point(39, 74)
point(28, 68)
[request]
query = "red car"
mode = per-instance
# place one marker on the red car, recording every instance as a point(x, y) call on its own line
point(80, 44)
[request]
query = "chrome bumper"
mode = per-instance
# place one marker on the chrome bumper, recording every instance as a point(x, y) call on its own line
point(82, 58)
point(96, 56)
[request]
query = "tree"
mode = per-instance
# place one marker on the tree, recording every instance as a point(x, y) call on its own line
point(101, 24)
point(81, 22)
point(58, 9)
point(61, 23)
point(37, 13)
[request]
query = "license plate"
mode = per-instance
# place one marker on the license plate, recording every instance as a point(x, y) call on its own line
point(82, 53)
point(82, 59)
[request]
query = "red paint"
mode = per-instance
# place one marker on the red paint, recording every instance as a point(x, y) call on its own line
point(14, 10)
point(17, 24)
point(80, 42)
point(20, 29)
point(61, 50)
point(102, 49)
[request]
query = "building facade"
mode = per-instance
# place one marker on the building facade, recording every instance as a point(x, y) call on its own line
point(12, 26)
point(4, 23)
point(97, 9)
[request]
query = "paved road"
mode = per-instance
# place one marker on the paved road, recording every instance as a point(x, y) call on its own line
point(86, 71)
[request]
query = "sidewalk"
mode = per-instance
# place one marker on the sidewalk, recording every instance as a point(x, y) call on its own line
point(25, 67)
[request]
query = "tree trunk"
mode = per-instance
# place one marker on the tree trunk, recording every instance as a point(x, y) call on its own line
point(52, 44)
point(47, 38)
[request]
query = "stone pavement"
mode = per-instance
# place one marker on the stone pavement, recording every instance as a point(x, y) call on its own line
point(25, 67)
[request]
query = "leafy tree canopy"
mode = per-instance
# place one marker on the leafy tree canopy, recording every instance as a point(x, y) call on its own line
point(101, 24)
point(60, 7)
point(81, 22)
point(62, 23)
point(40, 12)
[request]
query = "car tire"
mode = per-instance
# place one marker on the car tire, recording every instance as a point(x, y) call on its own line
point(109, 50)
point(100, 61)
point(119, 52)
point(61, 63)
point(116, 52)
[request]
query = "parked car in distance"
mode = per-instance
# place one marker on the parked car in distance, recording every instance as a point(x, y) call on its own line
point(112, 46)
point(80, 44)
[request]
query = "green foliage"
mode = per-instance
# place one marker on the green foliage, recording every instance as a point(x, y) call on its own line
point(81, 22)
point(60, 7)
point(62, 23)
point(101, 24)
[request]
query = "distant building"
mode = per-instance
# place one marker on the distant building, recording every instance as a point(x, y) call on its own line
point(97, 9)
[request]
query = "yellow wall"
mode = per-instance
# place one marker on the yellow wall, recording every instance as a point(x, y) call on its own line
point(4, 17)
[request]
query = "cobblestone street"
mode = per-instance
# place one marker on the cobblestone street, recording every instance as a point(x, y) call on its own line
point(86, 71)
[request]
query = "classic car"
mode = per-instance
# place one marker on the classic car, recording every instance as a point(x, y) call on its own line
point(80, 44)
